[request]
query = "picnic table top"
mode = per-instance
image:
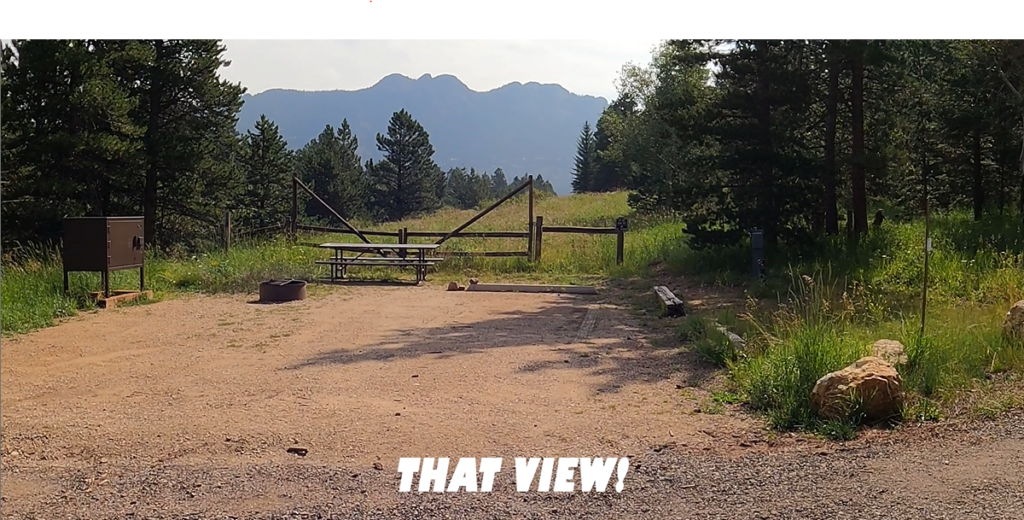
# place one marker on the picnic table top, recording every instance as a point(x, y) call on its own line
point(361, 246)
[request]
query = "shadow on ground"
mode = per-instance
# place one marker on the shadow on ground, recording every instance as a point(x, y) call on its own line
point(615, 351)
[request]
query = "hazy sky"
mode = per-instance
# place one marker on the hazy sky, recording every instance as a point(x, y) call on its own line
point(581, 66)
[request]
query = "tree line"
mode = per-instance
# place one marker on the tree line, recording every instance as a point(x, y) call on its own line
point(803, 138)
point(128, 127)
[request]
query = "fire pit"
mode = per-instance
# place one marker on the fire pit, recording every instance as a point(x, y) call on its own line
point(282, 290)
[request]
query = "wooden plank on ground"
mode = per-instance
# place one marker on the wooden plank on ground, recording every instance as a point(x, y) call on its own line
point(737, 342)
point(670, 305)
point(527, 288)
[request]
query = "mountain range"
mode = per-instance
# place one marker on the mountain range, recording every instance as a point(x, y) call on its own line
point(520, 128)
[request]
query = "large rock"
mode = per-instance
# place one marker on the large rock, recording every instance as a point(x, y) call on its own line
point(1013, 326)
point(890, 350)
point(870, 380)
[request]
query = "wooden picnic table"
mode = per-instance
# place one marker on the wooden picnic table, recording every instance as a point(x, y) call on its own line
point(340, 262)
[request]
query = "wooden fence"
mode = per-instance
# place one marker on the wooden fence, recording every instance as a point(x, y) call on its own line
point(534, 235)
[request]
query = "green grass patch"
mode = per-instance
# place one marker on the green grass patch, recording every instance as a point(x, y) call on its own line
point(31, 280)
point(812, 333)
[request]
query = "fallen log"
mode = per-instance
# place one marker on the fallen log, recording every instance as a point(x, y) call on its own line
point(526, 288)
point(670, 305)
point(737, 342)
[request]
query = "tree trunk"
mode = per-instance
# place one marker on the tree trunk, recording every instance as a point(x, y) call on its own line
point(979, 184)
point(832, 110)
point(860, 199)
point(150, 195)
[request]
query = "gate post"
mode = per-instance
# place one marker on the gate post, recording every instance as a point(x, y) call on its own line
point(529, 220)
point(539, 233)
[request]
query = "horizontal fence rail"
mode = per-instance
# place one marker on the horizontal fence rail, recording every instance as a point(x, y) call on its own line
point(581, 230)
point(341, 231)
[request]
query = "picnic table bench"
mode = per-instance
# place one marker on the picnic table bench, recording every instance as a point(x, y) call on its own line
point(340, 262)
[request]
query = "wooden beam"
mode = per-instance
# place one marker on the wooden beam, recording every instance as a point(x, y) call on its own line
point(482, 253)
point(295, 206)
point(471, 234)
point(737, 342)
point(489, 209)
point(524, 288)
point(620, 246)
point(227, 230)
point(670, 305)
point(529, 220)
point(322, 229)
point(344, 222)
point(539, 237)
point(581, 229)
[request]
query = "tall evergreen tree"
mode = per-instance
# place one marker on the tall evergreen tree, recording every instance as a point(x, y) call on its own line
point(499, 184)
point(189, 114)
point(268, 164)
point(466, 190)
point(330, 166)
point(406, 181)
point(608, 172)
point(543, 186)
point(69, 142)
point(586, 161)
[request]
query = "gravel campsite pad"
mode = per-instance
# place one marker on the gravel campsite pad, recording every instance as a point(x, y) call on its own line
point(215, 407)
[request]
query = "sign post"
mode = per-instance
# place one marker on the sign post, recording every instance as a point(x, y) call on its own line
point(757, 250)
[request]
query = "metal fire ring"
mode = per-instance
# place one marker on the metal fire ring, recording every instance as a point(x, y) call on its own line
point(282, 290)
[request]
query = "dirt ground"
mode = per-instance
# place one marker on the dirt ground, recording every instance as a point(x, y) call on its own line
point(188, 406)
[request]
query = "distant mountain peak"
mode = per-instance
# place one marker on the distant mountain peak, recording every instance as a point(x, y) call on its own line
point(520, 128)
point(392, 79)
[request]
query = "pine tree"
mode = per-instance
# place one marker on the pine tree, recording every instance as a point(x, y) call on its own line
point(608, 175)
point(406, 181)
point(466, 190)
point(267, 162)
point(69, 143)
point(330, 166)
point(499, 184)
point(540, 185)
point(586, 164)
point(189, 114)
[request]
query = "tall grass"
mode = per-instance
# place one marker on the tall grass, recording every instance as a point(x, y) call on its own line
point(31, 282)
point(974, 262)
point(814, 332)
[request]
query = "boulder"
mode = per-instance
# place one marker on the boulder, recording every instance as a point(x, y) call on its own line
point(890, 350)
point(1013, 326)
point(870, 380)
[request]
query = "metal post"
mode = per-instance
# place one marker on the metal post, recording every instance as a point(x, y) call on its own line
point(927, 247)
point(757, 250)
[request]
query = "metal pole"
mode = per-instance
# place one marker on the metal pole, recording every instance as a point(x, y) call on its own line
point(927, 247)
